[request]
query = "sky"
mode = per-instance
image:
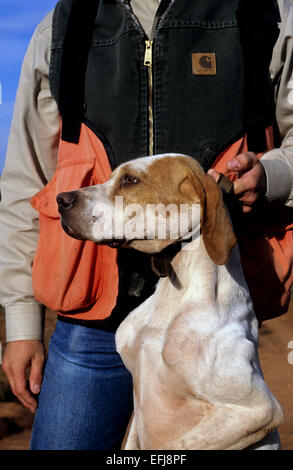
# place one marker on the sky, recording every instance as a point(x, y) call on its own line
point(18, 20)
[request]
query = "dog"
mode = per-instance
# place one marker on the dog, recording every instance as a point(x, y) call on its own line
point(191, 347)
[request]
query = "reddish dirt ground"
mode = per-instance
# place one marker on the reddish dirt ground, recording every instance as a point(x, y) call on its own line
point(275, 335)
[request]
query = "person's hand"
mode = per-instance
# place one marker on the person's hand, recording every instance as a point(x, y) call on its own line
point(250, 187)
point(18, 357)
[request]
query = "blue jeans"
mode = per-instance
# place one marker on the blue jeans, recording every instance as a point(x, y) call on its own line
point(86, 395)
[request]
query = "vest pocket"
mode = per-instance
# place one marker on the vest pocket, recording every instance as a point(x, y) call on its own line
point(66, 272)
point(74, 277)
point(69, 175)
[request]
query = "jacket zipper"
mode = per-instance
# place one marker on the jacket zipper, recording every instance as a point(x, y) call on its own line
point(148, 62)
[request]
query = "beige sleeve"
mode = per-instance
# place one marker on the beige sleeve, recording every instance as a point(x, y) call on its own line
point(278, 163)
point(30, 162)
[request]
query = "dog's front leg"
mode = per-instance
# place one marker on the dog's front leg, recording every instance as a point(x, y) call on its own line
point(227, 428)
point(130, 441)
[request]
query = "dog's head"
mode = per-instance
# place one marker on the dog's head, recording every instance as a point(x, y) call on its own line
point(149, 203)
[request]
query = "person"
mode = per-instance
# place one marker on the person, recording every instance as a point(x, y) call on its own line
point(83, 396)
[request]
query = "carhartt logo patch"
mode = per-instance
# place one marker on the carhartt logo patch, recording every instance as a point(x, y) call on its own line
point(204, 63)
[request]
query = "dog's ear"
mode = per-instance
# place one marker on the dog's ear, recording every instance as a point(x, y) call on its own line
point(217, 232)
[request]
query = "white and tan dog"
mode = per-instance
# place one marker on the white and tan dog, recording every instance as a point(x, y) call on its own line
point(192, 346)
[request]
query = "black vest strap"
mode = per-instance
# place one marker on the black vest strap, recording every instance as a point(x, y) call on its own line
point(77, 42)
point(258, 24)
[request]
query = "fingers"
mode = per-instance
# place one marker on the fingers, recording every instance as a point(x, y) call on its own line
point(250, 186)
point(240, 164)
point(17, 380)
point(247, 185)
point(214, 174)
point(36, 375)
point(18, 357)
point(22, 393)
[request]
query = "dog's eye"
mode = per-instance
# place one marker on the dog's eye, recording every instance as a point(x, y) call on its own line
point(128, 180)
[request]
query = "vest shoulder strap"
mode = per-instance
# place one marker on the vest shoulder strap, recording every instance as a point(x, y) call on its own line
point(258, 23)
point(80, 27)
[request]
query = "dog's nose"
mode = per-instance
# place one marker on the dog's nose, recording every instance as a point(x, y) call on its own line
point(66, 200)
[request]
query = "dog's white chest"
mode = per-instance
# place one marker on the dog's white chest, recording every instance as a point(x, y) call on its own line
point(138, 344)
point(148, 344)
point(158, 364)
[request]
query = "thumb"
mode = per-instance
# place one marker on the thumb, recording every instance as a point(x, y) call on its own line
point(242, 162)
point(36, 375)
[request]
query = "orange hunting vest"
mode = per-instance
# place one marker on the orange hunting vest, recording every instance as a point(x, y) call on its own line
point(73, 277)
point(79, 279)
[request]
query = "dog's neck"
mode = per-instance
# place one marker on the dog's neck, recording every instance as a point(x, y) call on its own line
point(168, 261)
point(196, 281)
point(161, 262)
point(175, 261)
